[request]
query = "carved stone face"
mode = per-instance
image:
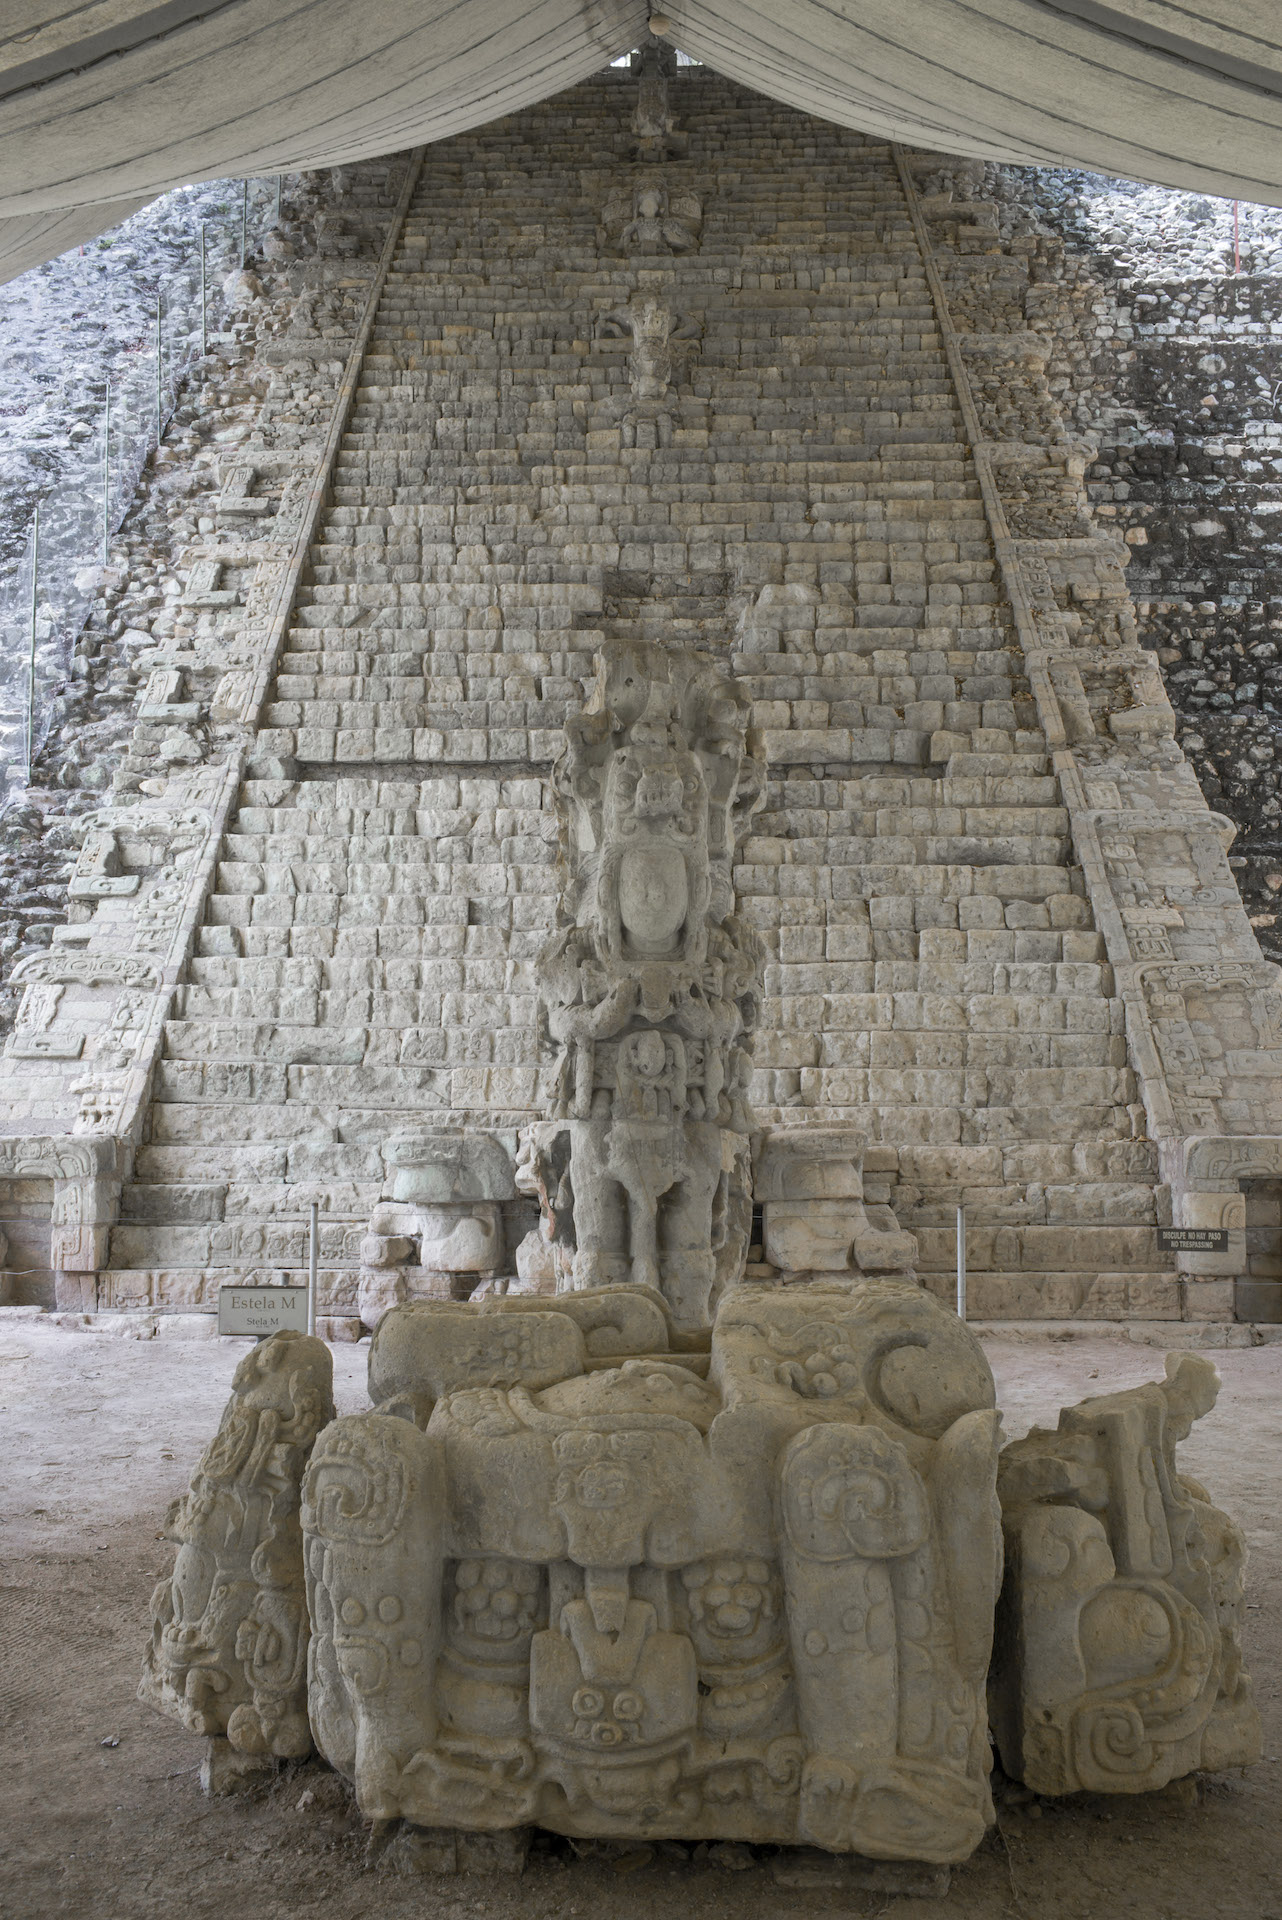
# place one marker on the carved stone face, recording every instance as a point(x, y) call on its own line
point(655, 822)
point(653, 898)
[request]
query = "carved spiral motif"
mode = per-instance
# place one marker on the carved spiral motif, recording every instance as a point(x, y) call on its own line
point(356, 1491)
point(1109, 1739)
point(852, 1491)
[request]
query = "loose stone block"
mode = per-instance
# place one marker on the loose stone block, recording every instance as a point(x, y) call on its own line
point(1119, 1662)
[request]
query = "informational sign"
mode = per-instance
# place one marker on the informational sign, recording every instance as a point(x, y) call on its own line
point(1193, 1239)
point(262, 1310)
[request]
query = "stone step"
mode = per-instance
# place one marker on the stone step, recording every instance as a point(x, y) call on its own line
point(367, 960)
point(202, 1050)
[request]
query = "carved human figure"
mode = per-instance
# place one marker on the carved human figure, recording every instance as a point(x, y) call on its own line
point(652, 218)
point(653, 329)
point(648, 989)
point(652, 118)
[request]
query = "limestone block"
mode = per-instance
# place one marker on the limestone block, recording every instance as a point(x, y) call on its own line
point(627, 1600)
point(433, 1348)
point(230, 1626)
point(382, 1284)
point(463, 1239)
point(536, 1262)
point(810, 1163)
point(806, 1235)
point(225, 1769)
point(1118, 1663)
point(437, 1168)
point(814, 1218)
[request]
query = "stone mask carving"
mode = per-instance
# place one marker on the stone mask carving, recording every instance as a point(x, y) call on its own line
point(648, 989)
point(654, 331)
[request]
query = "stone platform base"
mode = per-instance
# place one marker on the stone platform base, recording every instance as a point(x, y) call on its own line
point(1174, 1335)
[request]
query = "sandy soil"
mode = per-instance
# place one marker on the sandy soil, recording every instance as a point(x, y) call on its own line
point(102, 1810)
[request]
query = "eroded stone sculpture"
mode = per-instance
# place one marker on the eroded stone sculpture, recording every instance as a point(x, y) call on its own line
point(653, 122)
point(446, 1206)
point(649, 988)
point(549, 1581)
point(652, 218)
point(654, 331)
point(1120, 1664)
point(229, 1627)
point(815, 1221)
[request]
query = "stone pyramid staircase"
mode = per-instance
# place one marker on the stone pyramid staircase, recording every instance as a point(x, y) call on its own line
point(809, 507)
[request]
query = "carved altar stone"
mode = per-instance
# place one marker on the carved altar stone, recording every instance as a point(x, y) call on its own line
point(550, 1583)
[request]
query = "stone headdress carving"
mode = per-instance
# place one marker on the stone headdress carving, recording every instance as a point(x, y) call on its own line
point(649, 987)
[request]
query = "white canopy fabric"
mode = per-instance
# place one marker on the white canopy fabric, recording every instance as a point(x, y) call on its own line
point(106, 103)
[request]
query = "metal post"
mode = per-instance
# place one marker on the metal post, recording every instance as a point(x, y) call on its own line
point(31, 665)
point(160, 376)
point(244, 220)
point(311, 1268)
point(276, 209)
point(106, 477)
point(1237, 250)
point(204, 298)
point(961, 1262)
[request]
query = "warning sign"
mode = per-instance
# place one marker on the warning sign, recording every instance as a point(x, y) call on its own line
point(1193, 1239)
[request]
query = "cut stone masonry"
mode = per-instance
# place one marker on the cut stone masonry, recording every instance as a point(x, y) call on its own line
point(1003, 944)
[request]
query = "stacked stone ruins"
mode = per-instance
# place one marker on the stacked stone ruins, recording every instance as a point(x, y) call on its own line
point(656, 1550)
point(658, 364)
point(756, 387)
point(646, 797)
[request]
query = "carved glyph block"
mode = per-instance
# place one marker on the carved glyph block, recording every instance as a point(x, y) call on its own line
point(230, 1626)
point(1119, 1662)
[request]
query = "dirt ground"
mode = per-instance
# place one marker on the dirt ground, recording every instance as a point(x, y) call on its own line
point(102, 1812)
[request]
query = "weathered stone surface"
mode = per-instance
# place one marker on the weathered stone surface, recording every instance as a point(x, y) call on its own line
point(570, 1604)
point(649, 991)
point(1022, 976)
point(230, 1627)
point(810, 1183)
point(1119, 1660)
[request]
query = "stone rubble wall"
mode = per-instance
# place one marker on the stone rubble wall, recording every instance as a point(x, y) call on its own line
point(1166, 362)
point(67, 330)
point(165, 628)
point(772, 461)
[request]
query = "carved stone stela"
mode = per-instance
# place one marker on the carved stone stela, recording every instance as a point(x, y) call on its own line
point(649, 989)
point(665, 1551)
